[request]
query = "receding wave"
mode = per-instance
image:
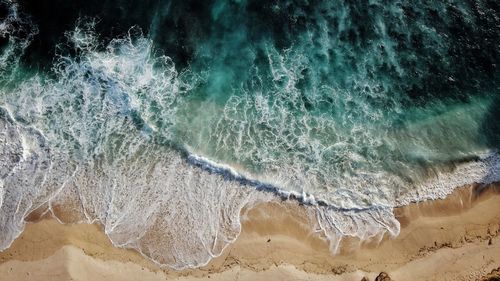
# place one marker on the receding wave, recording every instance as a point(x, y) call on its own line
point(166, 147)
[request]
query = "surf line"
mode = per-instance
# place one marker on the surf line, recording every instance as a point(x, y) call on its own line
point(230, 174)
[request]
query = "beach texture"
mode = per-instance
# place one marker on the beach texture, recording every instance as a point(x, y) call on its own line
point(456, 238)
point(257, 139)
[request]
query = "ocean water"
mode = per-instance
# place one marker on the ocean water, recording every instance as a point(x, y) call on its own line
point(163, 120)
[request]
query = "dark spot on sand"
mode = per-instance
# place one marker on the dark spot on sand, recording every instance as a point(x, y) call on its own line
point(383, 277)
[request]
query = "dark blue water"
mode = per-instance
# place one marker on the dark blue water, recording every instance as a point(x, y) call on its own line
point(359, 105)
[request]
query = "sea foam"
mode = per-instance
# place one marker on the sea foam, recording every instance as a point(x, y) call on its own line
point(109, 136)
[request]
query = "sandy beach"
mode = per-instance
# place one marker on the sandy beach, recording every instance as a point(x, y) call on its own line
point(456, 238)
point(249, 140)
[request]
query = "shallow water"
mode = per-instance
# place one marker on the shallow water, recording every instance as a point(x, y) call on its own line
point(163, 119)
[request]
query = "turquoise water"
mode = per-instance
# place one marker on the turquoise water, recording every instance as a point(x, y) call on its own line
point(140, 111)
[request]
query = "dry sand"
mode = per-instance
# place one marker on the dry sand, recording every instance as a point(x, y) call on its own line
point(452, 239)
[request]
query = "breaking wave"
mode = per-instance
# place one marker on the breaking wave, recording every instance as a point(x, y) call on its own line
point(166, 155)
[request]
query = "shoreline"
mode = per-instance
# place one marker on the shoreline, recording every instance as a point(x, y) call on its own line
point(456, 238)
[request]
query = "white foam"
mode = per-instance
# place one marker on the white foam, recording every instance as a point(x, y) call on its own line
point(91, 142)
point(18, 28)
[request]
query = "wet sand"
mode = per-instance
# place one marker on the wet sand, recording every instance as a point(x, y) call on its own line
point(456, 238)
